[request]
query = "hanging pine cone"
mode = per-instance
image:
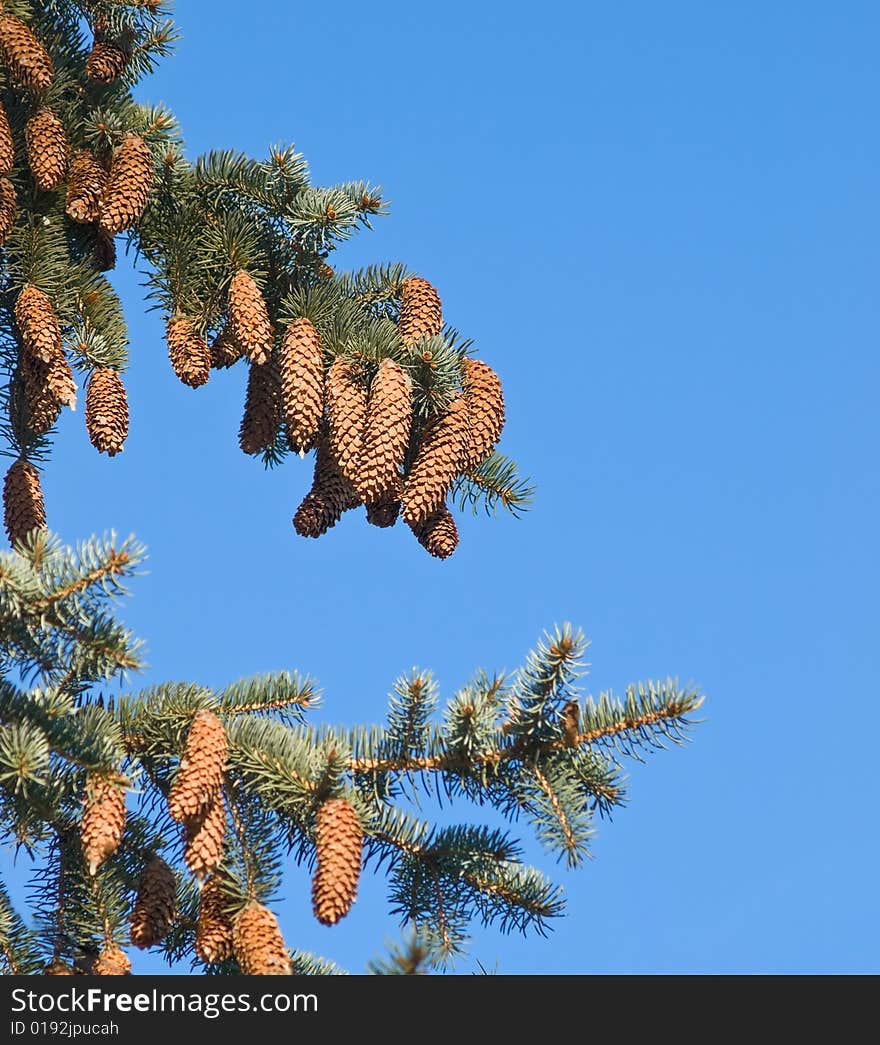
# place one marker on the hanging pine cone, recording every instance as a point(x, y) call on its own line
point(106, 411)
point(107, 61)
point(438, 534)
point(103, 250)
point(57, 967)
point(47, 149)
point(205, 835)
point(302, 384)
point(153, 910)
point(60, 382)
point(421, 314)
point(339, 838)
point(214, 929)
point(249, 317)
point(331, 495)
point(262, 408)
point(202, 766)
point(347, 410)
point(259, 946)
point(437, 463)
point(128, 185)
point(27, 59)
point(389, 417)
point(384, 512)
point(85, 183)
point(225, 350)
point(103, 818)
point(41, 407)
point(188, 351)
point(485, 402)
point(112, 961)
point(23, 506)
point(7, 146)
point(8, 200)
point(38, 324)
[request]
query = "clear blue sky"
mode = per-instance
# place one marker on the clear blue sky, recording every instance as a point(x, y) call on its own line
point(660, 222)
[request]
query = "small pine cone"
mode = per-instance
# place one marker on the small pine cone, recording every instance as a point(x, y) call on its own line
point(421, 314)
point(250, 317)
point(47, 149)
point(57, 967)
point(61, 383)
point(8, 200)
point(389, 417)
point(201, 768)
point(128, 185)
point(325, 272)
point(262, 408)
point(214, 929)
point(23, 506)
point(188, 351)
point(331, 495)
point(437, 463)
point(112, 961)
point(205, 835)
point(302, 384)
point(384, 512)
point(340, 843)
point(103, 818)
point(85, 183)
point(107, 61)
point(485, 401)
point(38, 324)
point(154, 907)
point(438, 534)
point(225, 350)
point(106, 411)
point(259, 946)
point(347, 410)
point(7, 146)
point(103, 251)
point(27, 59)
point(41, 407)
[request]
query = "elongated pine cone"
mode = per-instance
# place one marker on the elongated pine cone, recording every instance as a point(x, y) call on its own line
point(437, 463)
point(153, 910)
point(347, 410)
point(249, 317)
point(225, 350)
point(438, 534)
point(302, 384)
point(202, 766)
point(385, 511)
point(8, 201)
point(23, 506)
point(214, 929)
point(47, 149)
point(389, 417)
point(60, 382)
point(103, 818)
point(7, 146)
point(106, 62)
point(262, 408)
point(421, 313)
point(128, 186)
point(85, 183)
point(42, 408)
point(205, 835)
point(485, 402)
point(27, 59)
point(106, 411)
point(112, 961)
point(188, 351)
point(340, 844)
point(259, 946)
point(57, 967)
point(38, 324)
point(331, 495)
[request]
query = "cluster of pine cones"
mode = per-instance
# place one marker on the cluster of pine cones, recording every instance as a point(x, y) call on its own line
point(251, 935)
point(109, 195)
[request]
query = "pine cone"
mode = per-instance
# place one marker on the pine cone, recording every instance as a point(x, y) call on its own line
point(112, 961)
point(214, 930)
point(8, 201)
point(60, 382)
point(340, 842)
point(485, 402)
point(107, 61)
point(202, 766)
point(188, 351)
point(41, 407)
point(262, 408)
point(225, 350)
point(259, 946)
point(421, 314)
point(103, 250)
point(38, 324)
point(331, 495)
point(23, 501)
point(347, 410)
point(154, 907)
point(27, 59)
point(389, 417)
point(385, 511)
point(57, 967)
point(103, 818)
point(47, 149)
point(438, 534)
point(437, 463)
point(7, 146)
point(302, 384)
point(106, 411)
point(128, 186)
point(86, 179)
point(249, 318)
point(205, 835)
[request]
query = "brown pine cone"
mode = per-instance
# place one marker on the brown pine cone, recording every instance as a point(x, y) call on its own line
point(23, 506)
point(103, 818)
point(339, 838)
point(26, 58)
point(214, 929)
point(7, 146)
point(259, 946)
point(112, 961)
point(302, 384)
point(421, 313)
point(57, 967)
point(347, 411)
point(262, 408)
point(249, 318)
point(188, 351)
point(38, 324)
point(205, 836)
point(331, 495)
point(106, 411)
point(8, 201)
point(86, 179)
point(154, 907)
point(107, 61)
point(384, 512)
point(129, 184)
point(225, 350)
point(60, 382)
point(389, 417)
point(485, 401)
point(438, 534)
point(202, 766)
point(47, 149)
point(41, 407)
point(437, 463)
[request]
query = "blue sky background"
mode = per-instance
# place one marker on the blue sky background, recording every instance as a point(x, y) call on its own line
point(661, 225)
